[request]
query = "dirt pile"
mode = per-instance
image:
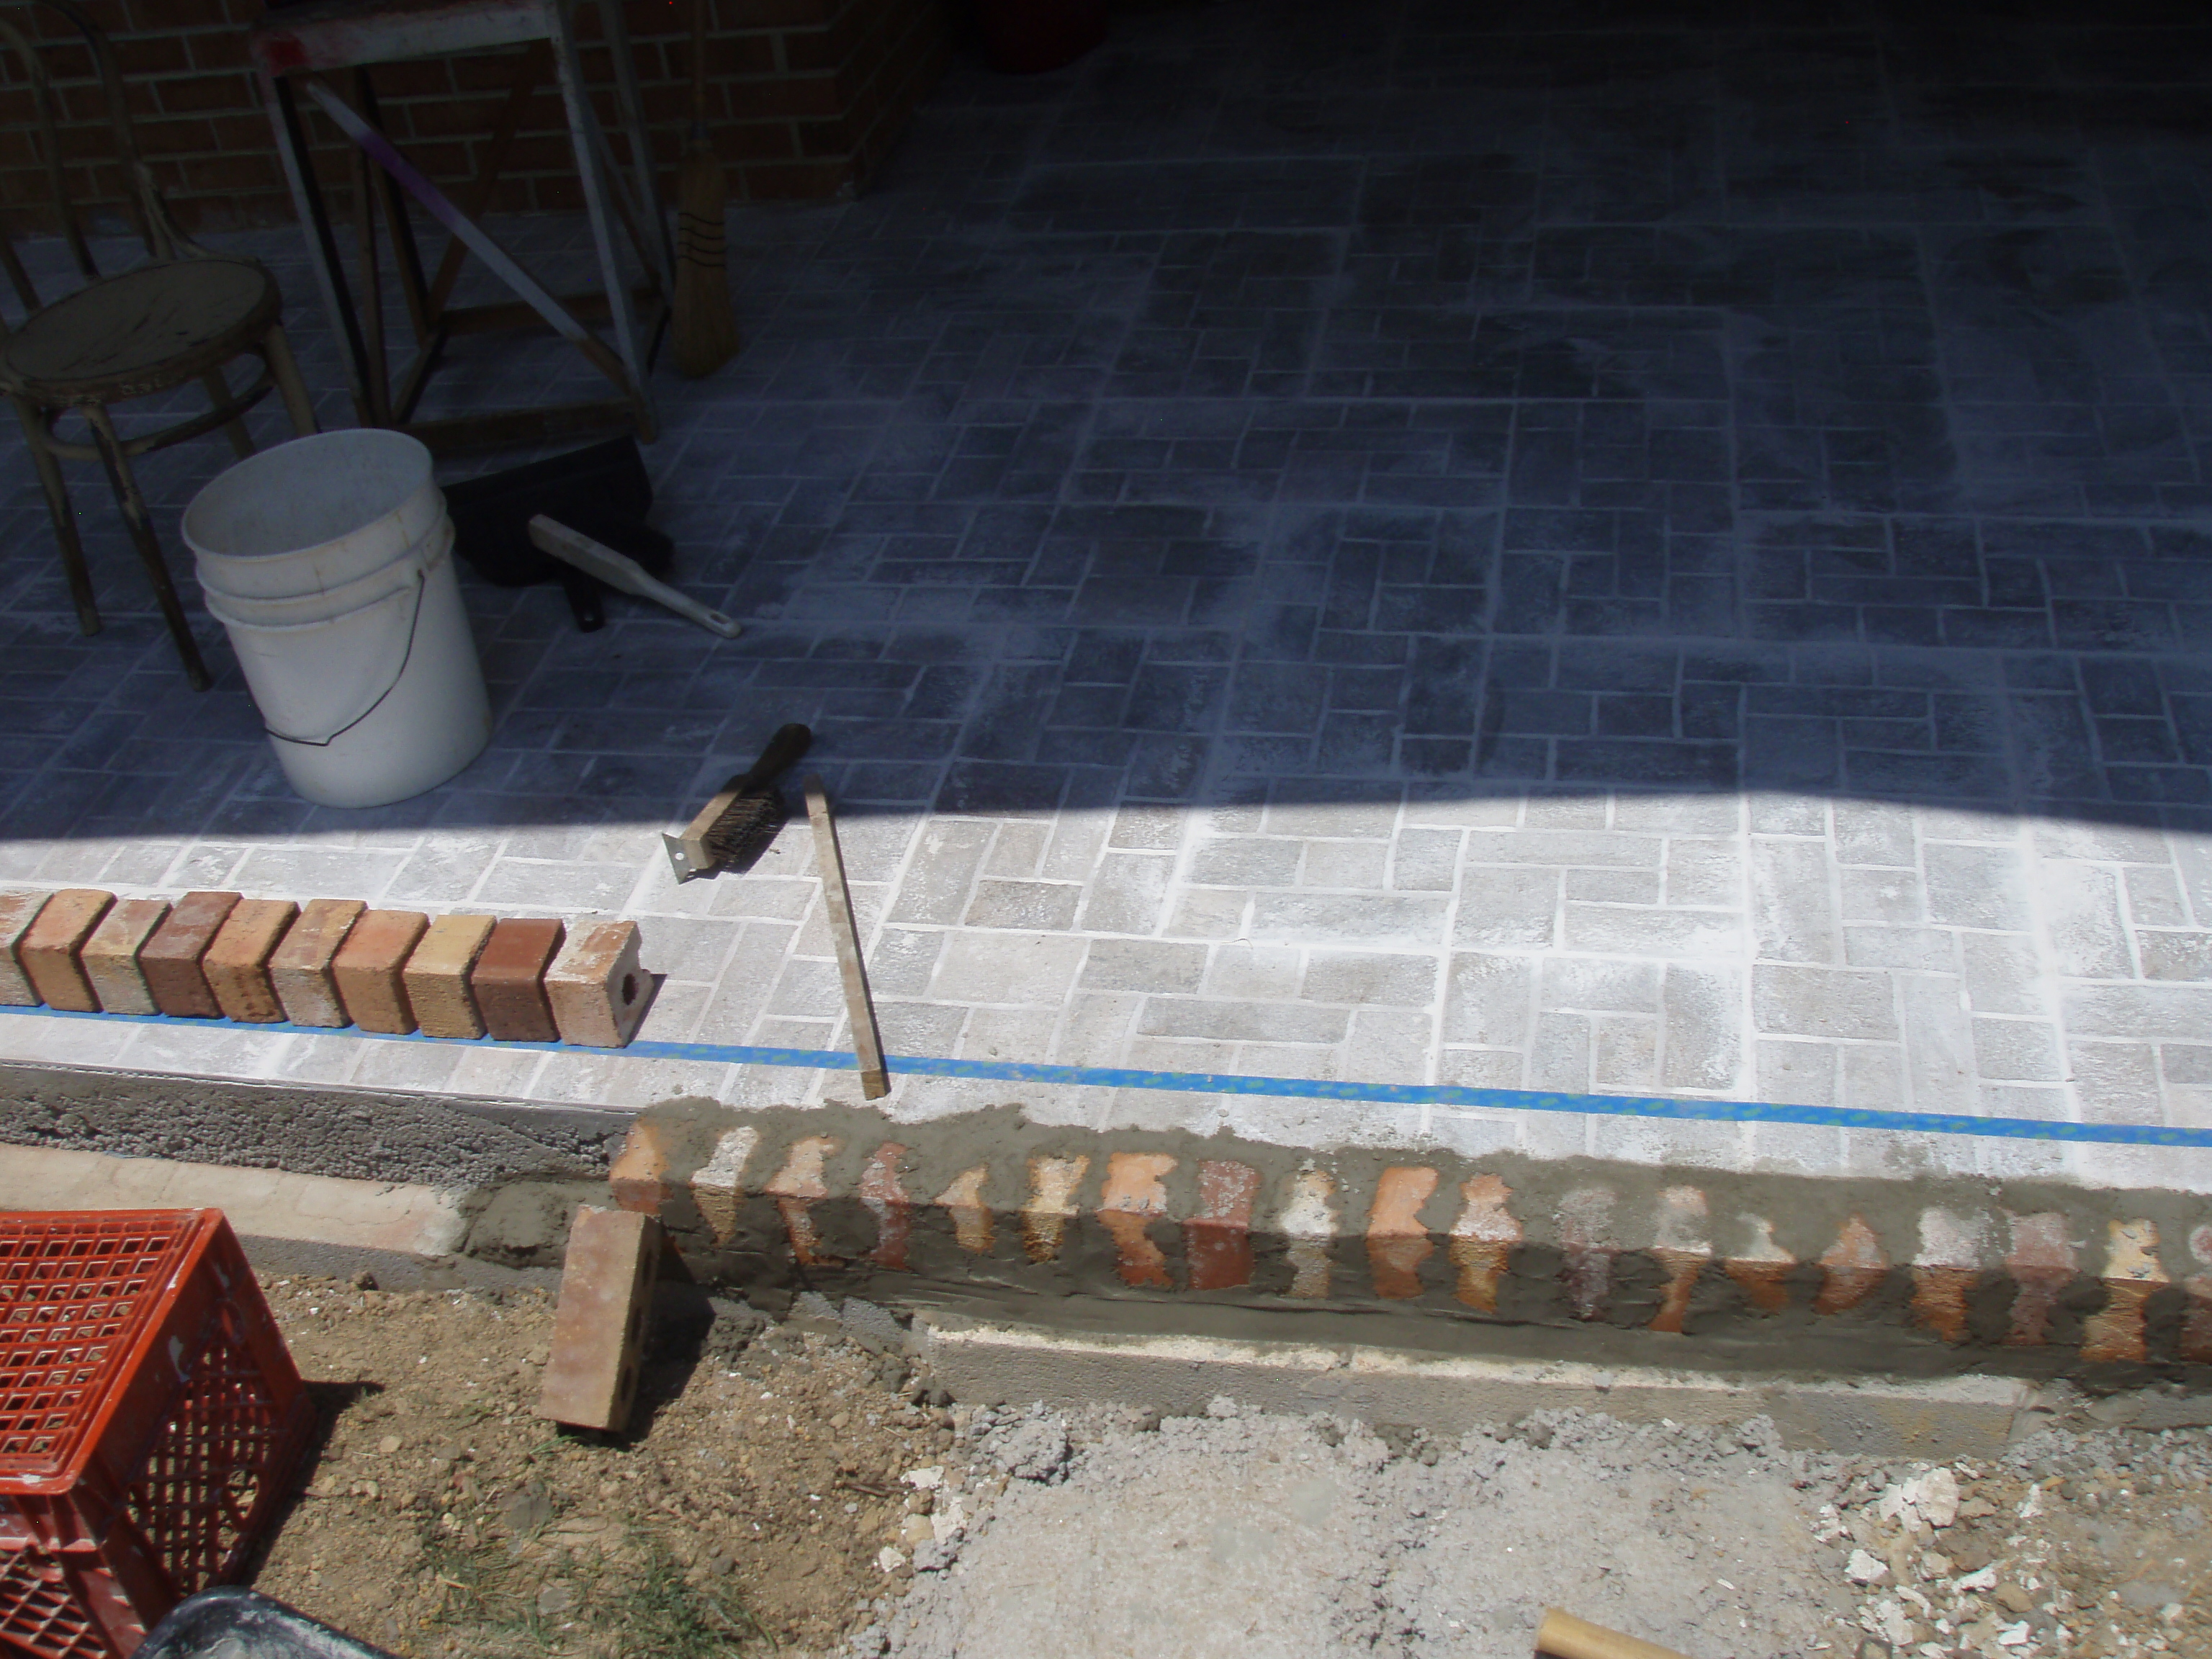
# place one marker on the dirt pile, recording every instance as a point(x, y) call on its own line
point(765, 1475)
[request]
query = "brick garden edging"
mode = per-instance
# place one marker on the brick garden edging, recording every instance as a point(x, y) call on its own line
point(332, 963)
point(1672, 1266)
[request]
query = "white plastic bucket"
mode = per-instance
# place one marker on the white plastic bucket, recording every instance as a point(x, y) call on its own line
point(356, 648)
point(402, 572)
point(313, 514)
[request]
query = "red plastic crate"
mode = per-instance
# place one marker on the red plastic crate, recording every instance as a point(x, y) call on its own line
point(150, 1421)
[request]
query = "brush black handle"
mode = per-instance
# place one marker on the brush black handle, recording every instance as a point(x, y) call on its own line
point(783, 752)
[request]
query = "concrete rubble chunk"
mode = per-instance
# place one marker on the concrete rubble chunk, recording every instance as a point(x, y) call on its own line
point(299, 971)
point(370, 968)
point(237, 963)
point(437, 975)
point(509, 980)
point(172, 960)
point(597, 987)
point(111, 955)
point(18, 910)
point(599, 1327)
point(50, 947)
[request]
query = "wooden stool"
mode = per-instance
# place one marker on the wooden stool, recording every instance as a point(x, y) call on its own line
point(304, 43)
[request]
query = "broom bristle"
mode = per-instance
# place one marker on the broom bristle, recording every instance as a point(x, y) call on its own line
point(706, 325)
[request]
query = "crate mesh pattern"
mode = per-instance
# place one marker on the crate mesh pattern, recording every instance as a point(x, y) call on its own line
point(148, 1417)
point(73, 1294)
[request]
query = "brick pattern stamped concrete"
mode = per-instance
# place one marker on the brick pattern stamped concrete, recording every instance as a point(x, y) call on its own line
point(1636, 556)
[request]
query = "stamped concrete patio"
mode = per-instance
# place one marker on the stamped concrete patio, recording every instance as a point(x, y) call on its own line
point(1544, 549)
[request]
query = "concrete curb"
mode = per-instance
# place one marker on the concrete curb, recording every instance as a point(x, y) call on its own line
point(1178, 1376)
point(351, 1133)
point(408, 1238)
point(300, 1218)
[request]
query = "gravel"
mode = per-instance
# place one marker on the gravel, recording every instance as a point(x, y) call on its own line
point(1257, 1535)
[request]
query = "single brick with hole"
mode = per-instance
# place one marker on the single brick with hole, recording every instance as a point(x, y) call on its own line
point(237, 963)
point(509, 981)
point(370, 967)
point(599, 1327)
point(50, 948)
point(300, 972)
point(18, 910)
point(598, 989)
point(174, 960)
point(437, 975)
point(111, 955)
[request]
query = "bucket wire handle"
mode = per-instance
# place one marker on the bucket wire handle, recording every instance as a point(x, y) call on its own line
point(422, 591)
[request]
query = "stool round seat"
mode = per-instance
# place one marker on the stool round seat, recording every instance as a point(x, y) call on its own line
point(140, 332)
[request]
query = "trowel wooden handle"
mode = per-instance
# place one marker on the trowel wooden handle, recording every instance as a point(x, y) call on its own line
point(1565, 1636)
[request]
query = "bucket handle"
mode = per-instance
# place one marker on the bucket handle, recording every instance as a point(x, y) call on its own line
point(414, 623)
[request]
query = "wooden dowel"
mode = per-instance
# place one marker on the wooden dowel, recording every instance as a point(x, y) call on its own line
point(1565, 1636)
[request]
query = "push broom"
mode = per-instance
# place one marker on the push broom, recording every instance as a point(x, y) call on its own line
point(705, 329)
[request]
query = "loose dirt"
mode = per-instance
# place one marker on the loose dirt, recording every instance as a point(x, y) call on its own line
point(797, 1488)
point(746, 1511)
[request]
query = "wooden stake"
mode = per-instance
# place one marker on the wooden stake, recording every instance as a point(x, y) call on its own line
point(844, 932)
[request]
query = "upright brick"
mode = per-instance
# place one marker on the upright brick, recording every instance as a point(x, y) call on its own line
point(1051, 1206)
point(963, 1201)
point(1851, 1267)
point(797, 1188)
point(1218, 1237)
point(437, 975)
point(18, 910)
point(299, 971)
point(509, 981)
point(599, 1327)
point(237, 963)
point(50, 947)
point(173, 959)
point(597, 987)
point(1133, 1196)
point(885, 1198)
point(1397, 1243)
point(370, 970)
point(111, 955)
point(1482, 1240)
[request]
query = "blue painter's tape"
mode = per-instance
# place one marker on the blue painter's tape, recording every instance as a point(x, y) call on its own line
point(1448, 1096)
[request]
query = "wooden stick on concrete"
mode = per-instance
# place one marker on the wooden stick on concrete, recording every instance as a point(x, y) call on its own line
point(868, 1046)
point(1565, 1636)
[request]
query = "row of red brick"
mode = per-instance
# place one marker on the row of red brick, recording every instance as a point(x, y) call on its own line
point(334, 962)
point(1428, 1233)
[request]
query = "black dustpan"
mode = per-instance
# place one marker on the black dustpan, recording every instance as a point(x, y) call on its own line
point(602, 491)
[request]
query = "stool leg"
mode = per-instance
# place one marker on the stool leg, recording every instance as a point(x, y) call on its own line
point(57, 504)
point(575, 98)
point(141, 525)
point(218, 391)
point(276, 352)
point(630, 111)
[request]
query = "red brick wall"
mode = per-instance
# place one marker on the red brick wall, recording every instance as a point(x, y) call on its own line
point(805, 98)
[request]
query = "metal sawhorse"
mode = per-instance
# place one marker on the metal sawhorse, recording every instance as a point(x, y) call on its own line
point(322, 38)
